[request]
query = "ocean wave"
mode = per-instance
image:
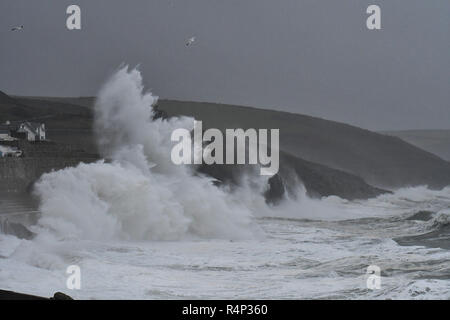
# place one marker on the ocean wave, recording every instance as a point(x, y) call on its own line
point(140, 194)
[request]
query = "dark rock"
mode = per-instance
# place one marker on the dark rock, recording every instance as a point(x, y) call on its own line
point(158, 113)
point(61, 296)
point(276, 191)
point(318, 180)
point(11, 295)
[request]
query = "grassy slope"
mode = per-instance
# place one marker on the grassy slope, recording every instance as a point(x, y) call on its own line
point(379, 159)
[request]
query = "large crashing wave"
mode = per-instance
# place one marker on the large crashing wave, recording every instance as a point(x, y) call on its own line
point(139, 194)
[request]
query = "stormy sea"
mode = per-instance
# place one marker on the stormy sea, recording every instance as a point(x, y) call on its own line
point(140, 227)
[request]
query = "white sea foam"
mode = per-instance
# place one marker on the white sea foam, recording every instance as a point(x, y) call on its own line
point(140, 194)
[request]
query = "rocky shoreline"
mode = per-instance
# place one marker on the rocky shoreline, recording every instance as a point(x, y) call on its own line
point(11, 295)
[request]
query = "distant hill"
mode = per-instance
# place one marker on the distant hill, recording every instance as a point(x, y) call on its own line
point(434, 141)
point(70, 123)
point(87, 102)
point(11, 109)
point(381, 160)
point(26, 108)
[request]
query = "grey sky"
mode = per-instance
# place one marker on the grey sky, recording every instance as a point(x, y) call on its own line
point(306, 56)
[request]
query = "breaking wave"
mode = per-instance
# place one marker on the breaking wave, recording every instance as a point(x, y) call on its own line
point(136, 193)
point(139, 194)
point(440, 221)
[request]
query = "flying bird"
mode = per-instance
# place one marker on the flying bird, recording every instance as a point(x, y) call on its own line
point(190, 41)
point(17, 28)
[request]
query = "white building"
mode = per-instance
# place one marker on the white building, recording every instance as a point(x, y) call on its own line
point(34, 131)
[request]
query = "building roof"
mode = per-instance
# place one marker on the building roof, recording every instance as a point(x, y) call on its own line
point(14, 125)
point(33, 126)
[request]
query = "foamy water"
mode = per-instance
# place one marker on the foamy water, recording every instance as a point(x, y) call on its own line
point(140, 227)
point(292, 258)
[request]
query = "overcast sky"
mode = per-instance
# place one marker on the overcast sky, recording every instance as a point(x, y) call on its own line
point(307, 56)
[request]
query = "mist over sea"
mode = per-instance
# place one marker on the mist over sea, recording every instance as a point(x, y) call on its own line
point(141, 227)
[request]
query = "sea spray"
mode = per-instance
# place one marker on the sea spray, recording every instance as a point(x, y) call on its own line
point(139, 194)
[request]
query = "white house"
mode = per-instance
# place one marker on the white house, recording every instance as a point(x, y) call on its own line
point(34, 131)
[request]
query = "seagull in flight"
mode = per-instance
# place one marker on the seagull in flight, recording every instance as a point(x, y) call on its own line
point(17, 28)
point(190, 41)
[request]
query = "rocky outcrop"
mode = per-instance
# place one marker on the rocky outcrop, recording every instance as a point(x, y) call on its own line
point(318, 180)
point(11, 295)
